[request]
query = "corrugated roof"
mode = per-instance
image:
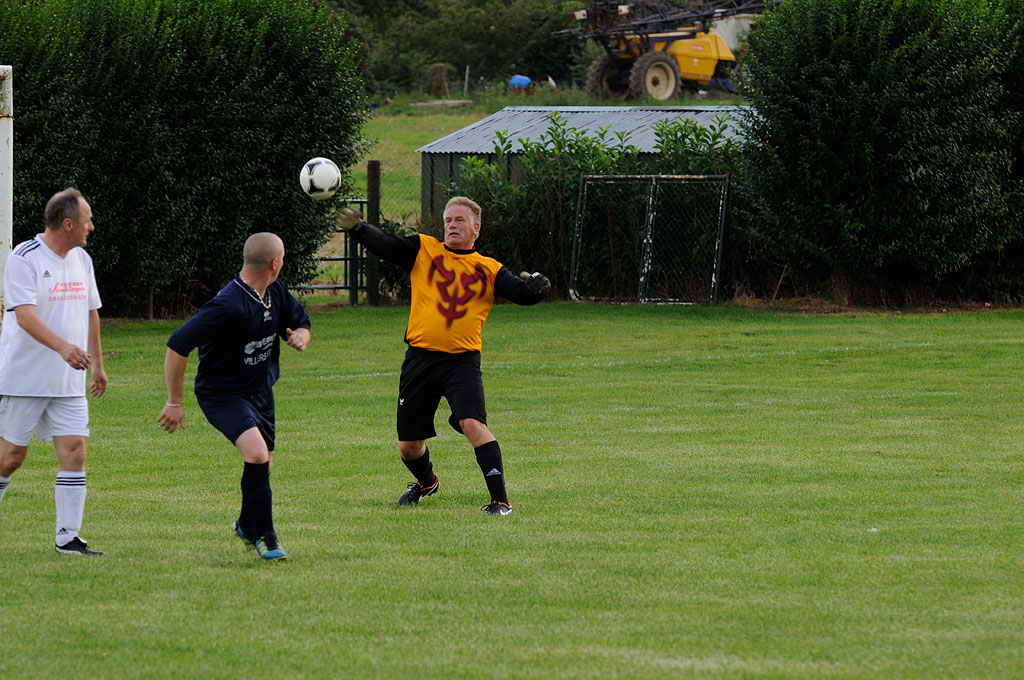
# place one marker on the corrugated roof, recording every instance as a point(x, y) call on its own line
point(530, 122)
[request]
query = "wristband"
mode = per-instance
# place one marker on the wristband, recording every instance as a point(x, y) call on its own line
point(172, 405)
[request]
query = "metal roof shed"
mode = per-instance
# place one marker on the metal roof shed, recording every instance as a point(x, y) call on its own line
point(440, 159)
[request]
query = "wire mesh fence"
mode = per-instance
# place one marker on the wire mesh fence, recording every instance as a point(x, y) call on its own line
point(388, 195)
point(648, 238)
point(400, 191)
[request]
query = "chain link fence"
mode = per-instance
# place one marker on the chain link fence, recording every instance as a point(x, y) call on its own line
point(343, 263)
point(400, 188)
point(648, 238)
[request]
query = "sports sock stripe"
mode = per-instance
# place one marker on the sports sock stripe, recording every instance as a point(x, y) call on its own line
point(70, 479)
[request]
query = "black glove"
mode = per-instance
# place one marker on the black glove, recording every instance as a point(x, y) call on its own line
point(538, 283)
point(348, 219)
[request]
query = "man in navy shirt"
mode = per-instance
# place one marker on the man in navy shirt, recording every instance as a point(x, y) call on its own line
point(237, 333)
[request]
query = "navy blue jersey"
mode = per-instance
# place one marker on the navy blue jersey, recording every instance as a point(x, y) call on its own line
point(239, 338)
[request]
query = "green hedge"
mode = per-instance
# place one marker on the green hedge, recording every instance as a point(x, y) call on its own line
point(185, 123)
point(880, 145)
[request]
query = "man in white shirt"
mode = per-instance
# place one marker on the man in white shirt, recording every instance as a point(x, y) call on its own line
point(51, 315)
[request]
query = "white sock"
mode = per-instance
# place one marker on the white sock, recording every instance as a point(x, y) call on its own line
point(4, 481)
point(69, 495)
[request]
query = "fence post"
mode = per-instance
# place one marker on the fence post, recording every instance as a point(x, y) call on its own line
point(373, 217)
point(352, 269)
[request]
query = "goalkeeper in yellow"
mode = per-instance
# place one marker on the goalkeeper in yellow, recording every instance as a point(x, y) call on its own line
point(453, 289)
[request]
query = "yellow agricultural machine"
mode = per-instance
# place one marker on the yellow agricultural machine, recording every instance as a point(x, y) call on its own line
point(655, 48)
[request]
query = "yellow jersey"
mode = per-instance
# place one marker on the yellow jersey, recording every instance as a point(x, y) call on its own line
point(452, 294)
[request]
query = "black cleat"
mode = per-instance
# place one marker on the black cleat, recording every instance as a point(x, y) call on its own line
point(416, 492)
point(497, 508)
point(77, 546)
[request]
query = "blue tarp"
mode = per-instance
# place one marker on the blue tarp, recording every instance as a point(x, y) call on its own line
point(519, 81)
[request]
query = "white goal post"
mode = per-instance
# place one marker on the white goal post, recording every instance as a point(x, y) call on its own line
point(648, 238)
point(6, 169)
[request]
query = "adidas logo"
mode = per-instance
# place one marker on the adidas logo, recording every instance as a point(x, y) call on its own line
point(62, 531)
point(493, 472)
point(46, 273)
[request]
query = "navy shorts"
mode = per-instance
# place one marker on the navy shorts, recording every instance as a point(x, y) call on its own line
point(426, 377)
point(234, 413)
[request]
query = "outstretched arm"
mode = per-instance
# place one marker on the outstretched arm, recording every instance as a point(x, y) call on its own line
point(401, 250)
point(528, 290)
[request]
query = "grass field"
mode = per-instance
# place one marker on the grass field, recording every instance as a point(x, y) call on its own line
point(395, 139)
point(698, 493)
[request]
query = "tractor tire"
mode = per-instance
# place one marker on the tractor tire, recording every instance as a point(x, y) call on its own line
point(655, 75)
point(604, 80)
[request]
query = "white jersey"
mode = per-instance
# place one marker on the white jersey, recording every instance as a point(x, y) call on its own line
point(63, 291)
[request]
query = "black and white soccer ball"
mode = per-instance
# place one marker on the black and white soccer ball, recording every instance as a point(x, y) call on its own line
point(320, 178)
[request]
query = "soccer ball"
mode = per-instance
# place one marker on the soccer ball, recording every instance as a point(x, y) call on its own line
point(320, 178)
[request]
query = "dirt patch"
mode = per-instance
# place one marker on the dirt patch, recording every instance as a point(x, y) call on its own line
point(817, 305)
point(443, 104)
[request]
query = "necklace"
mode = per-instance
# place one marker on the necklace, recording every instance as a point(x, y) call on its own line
point(252, 293)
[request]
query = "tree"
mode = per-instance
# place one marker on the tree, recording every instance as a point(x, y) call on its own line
point(494, 38)
point(877, 149)
point(185, 122)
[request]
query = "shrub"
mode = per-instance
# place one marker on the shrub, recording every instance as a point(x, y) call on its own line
point(529, 199)
point(998, 274)
point(494, 38)
point(877, 152)
point(685, 147)
point(185, 123)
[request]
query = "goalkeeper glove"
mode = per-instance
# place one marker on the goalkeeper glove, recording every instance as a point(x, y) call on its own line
point(348, 219)
point(538, 283)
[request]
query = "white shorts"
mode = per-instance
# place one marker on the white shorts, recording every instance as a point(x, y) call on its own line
point(46, 416)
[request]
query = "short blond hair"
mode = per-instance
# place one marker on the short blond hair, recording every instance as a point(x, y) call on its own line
point(474, 207)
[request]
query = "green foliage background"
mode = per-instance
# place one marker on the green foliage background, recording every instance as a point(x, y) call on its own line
point(529, 199)
point(880, 161)
point(495, 38)
point(880, 142)
point(185, 123)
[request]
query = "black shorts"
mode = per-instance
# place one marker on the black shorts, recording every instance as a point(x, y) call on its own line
point(234, 413)
point(426, 377)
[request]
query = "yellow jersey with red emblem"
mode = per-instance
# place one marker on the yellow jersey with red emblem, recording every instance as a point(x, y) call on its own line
point(452, 294)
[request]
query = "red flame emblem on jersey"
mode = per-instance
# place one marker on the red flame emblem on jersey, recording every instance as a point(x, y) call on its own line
point(452, 305)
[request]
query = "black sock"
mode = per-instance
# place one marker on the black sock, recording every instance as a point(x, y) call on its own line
point(421, 468)
point(488, 457)
point(257, 515)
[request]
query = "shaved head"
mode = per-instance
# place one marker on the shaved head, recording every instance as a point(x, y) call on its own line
point(261, 248)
